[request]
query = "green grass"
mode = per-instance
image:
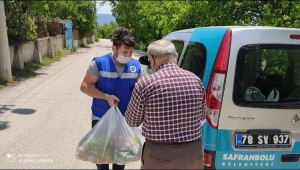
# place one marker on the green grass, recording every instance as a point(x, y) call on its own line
point(32, 66)
point(28, 70)
point(4, 84)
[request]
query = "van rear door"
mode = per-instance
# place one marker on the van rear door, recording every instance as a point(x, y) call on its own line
point(259, 123)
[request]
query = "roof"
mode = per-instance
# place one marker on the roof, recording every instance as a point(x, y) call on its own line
point(235, 27)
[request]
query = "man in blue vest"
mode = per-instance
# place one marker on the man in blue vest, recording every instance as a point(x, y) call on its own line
point(110, 79)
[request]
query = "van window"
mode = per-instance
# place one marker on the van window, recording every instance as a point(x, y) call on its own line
point(267, 75)
point(194, 58)
point(178, 45)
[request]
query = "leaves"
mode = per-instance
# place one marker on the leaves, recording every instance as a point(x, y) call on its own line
point(151, 20)
point(21, 16)
point(106, 30)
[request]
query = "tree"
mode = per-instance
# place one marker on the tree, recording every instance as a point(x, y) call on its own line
point(22, 16)
point(151, 20)
point(106, 30)
point(20, 22)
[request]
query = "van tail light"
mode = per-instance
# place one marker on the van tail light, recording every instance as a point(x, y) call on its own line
point(207, 158)
point(217, 80)
point(294, 36)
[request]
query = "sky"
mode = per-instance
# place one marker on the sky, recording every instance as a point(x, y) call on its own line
point(106, 9)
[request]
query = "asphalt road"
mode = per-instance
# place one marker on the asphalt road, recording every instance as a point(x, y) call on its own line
point(42, 119)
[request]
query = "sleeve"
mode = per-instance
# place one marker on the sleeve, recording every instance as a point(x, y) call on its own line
point(136, 108)
point(93, 69)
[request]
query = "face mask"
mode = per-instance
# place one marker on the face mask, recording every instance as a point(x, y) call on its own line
point(122, 59)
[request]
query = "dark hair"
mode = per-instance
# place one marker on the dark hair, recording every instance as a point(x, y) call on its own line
point(121, 36)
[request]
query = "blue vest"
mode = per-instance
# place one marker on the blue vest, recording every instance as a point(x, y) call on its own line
point(110, 83)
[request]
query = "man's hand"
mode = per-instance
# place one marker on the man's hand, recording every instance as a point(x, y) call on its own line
point(112, 100)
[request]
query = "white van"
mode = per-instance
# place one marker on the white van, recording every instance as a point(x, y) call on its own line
point(252, 79)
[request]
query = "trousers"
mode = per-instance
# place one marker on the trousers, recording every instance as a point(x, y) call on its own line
point(166, 156)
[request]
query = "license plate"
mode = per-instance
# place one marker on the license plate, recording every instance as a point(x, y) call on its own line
point(245, 140)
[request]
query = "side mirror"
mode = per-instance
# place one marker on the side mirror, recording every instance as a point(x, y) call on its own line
point(144, 60)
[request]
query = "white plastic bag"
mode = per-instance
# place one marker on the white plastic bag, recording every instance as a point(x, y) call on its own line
point(128, 146)
point(97, 146)
point(138, 131)
point(110, 141)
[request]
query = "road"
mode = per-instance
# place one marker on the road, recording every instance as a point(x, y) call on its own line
point(42, 119)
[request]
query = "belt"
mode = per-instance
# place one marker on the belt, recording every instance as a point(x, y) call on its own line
point(169, 143)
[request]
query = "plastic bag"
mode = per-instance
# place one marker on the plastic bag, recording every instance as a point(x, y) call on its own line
point(110, 141)
point(128, 146)
point(97, 146)
point(138, 131)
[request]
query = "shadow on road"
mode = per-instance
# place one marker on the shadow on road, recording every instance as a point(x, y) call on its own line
point(23, 111)
point(4, 108)
point(3, 125)
point(38, 73)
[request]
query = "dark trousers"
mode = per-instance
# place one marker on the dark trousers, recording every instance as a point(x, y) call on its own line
point(106, 166)
point(185, 156)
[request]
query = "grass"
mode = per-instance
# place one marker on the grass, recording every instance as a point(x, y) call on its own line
point(4, 84)
point(31, 67)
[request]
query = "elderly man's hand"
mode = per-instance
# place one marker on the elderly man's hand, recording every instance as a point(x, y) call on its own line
point(112, 100)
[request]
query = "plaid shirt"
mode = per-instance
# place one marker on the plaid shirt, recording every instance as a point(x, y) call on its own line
point(170, 103)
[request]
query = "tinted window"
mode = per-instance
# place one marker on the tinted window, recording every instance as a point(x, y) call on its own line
point(194, 59)
point(267, 75)
point(178, 45)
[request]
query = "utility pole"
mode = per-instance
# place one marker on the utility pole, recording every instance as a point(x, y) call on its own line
point(5, 66)
point(96, 29)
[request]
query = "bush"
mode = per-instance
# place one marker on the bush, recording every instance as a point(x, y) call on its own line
point(141, 46)
point(106, 30)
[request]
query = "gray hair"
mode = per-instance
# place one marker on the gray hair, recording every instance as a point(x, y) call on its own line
point(162, 48)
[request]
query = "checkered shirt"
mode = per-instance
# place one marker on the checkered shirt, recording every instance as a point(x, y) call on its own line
point(170, 103)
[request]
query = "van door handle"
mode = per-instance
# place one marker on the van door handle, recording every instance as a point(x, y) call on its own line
point(290, 158)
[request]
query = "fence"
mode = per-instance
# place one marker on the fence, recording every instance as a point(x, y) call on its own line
point(50, 28)
point(34, 50)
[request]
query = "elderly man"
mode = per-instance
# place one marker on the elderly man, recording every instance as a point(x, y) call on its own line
point(170, 103)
